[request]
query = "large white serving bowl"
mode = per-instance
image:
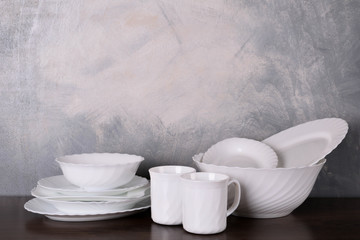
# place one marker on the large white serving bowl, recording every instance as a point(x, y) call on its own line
point(99, 171)
point(268, 193)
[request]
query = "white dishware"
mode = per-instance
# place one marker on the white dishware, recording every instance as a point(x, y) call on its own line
point(166, 193)
point(204, 201)
point(99, 171)
point(84, 207)
point(268, 193)
point(41, 192)
point(307, 143)
point(241, 152)
point(60, 185)
point(38, 206)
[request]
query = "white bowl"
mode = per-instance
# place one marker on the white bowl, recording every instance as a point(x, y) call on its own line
point(268, 193)
point(99, 171)
point(241, 152)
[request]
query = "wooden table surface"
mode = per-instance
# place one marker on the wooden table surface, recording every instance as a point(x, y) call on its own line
point(316, 218)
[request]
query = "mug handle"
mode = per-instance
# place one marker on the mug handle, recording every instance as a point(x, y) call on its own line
point(236, 198)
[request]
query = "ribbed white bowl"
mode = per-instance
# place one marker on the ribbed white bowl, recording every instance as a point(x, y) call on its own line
point(99, 171)
point(268, 193)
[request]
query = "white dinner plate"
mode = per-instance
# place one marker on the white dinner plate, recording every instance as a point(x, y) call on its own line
point(241, 152)
point(61, 185)
point(307, 143)
point(82, 207)
point(42, 193)
point(38, 206)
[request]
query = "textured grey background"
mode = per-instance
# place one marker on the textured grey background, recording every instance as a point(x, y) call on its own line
point(167, 79)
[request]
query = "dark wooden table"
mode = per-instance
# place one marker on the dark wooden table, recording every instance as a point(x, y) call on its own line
point(318, 218)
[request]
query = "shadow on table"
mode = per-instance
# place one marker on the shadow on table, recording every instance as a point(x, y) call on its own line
point(136, 227)
point(288, 227)
point(163, 232)
point(126, 228)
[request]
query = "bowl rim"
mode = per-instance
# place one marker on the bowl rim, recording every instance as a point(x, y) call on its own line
point(129, 162)
point(320, 162)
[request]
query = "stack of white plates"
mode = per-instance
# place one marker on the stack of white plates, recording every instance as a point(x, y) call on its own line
point(58, 199)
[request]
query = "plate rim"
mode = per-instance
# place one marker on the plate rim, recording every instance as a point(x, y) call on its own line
point(81, 190)
point(337, 132)
point(62, 214)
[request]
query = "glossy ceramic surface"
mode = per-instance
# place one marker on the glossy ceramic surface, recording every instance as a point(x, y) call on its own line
point(38, 206)
point(41, 192)
point(85, 207)
point(62, 186)
point(268, 193)
point(307, 143)
point(204, 202)
point(99, 171)
point(166, 200)
point(241, 152)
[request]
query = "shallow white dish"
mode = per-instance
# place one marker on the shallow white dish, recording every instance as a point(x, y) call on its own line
point(85, 207)
point(61, 185)
point(241, 152)
point(307, 143)
point(99, 171)
point(268, 192)
point(38, 206)
point(41, 192)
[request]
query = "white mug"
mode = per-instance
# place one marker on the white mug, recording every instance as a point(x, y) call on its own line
point(166, 193)
point(204, 201)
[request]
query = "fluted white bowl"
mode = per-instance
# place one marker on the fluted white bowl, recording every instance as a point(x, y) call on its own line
point(268, 193)
point(99, 171)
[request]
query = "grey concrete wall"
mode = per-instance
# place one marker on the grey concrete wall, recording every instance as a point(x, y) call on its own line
point(167, 79)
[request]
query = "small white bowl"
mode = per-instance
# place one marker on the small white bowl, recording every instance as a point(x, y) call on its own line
point(268, 193)
point(99, 171)
point(241, 152)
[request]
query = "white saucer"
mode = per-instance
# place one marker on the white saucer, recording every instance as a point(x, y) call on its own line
point(307, 143)
point(38, 206)
point(61, 185)
point(241, 152)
